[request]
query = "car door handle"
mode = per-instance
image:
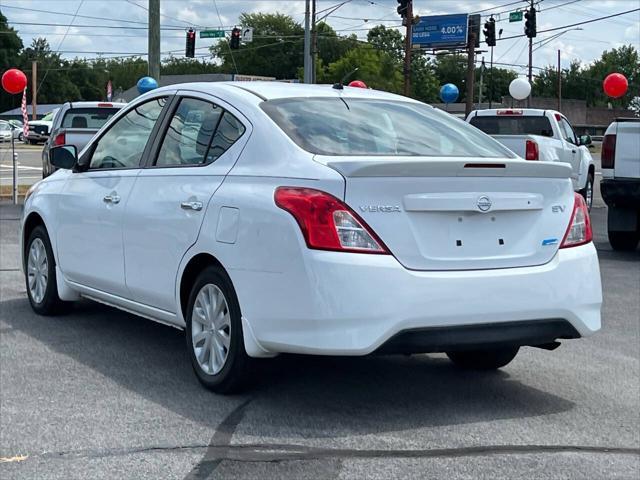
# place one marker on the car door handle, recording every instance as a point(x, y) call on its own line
point(111, 199)
point(197, 206)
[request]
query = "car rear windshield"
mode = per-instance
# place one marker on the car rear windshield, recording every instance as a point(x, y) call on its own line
point(513, 125)
point(346, 126)
point(87, 117)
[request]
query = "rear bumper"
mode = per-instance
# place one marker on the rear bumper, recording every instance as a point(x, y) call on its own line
point(351, 304)
point(468, 337)
point(623, 193)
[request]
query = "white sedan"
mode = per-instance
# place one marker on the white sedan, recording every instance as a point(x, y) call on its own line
point(265, 218)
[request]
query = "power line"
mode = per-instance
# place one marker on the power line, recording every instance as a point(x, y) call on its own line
point(162, 14)
point(79, 16)
point(215, 4)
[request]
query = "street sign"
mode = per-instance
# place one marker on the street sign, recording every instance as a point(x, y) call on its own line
point(439, 31)
point(211, 33)
point(247, 34)
point(515, 16)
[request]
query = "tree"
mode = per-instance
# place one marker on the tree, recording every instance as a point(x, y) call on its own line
point(452, 69)
point(183, 66)
point(276, 50)
point(10, 48)
point(623, 60)
point(424, 83)
point(377, 69)
point(388, 40)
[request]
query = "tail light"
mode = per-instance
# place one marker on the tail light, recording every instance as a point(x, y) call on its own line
point(60, 139)
point(579, 231)
point(531, 150)
point(608, 157)
point(327, 223)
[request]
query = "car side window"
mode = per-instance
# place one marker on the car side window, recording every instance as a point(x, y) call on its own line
point(568, 134)
point(123, 144)
point(198, 134)
point(229, 130)
point(189, 134)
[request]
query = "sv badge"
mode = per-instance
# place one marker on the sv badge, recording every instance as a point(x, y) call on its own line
point(558, 208)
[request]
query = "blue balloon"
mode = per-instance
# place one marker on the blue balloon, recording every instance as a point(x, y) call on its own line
point(449, 93)
point(146, 84)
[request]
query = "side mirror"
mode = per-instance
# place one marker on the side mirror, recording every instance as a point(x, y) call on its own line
point(585, 140)
point(64, 156)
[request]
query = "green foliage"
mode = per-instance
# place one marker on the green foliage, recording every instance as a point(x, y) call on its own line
point(10, 47)
point(584, 82)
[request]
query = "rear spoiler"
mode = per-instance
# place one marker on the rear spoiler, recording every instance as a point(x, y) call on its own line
point(458, 167)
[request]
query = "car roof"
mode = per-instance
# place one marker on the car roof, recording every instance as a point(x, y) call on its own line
point(265, 90)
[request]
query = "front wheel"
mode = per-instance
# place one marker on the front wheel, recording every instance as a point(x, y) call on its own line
point(587, 191)
point(40, 274)
point(214, 333)
point(483, 359)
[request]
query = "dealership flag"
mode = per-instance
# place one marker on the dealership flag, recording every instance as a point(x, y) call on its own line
point(109, 91)
point(25, 117)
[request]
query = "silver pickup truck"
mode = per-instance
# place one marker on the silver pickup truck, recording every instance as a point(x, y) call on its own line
point(75, 124)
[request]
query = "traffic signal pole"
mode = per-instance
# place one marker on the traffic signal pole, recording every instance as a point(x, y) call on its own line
point(471, 52)
point(407, 48)
point(307, 43)
point(530, 75)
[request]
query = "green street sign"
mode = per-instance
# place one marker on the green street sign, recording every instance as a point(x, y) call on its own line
point(215, 33)
point(515, 16)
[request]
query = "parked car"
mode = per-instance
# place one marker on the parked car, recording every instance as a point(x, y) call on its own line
point(18, 133)
point(39, 129)
point(76, 124)
point(544, 135)
point(313, 220)
point(620, 185)
point(6, 131)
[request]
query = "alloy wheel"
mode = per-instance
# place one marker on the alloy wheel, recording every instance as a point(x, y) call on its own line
point(211, 329)
point(37, 270)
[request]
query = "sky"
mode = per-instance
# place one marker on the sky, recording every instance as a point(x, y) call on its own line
point(355, 16)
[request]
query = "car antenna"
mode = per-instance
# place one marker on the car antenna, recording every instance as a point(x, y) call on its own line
point(340, 84)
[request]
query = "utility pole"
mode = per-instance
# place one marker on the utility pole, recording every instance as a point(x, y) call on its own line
point(407, 48)
point(34, 90)
point(532, 20)
point(154, 39)
point(307, 44)
point(559, 83)
point(314, 41)
point(471, 47)
point(480, 87)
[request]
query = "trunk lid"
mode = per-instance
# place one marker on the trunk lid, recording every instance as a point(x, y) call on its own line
point(460, 213)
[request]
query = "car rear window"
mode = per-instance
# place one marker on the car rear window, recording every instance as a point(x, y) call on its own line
point(513, 125)
point(347, 127)
point(87, 117)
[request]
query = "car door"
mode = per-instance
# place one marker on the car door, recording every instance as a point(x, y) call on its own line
point(202, 140)
point(571, 152)
point(91, 208)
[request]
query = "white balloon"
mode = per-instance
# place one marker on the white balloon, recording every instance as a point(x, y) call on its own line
point(520, 89)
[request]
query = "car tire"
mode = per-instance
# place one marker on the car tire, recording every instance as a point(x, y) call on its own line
point(623, 241)
point(21, 137)
point(587, 191)
point(483, 359)
point(40, 274)
point(215, 342)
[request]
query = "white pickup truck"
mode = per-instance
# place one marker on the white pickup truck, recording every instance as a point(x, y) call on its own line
point(620, 185)
point(544, 135)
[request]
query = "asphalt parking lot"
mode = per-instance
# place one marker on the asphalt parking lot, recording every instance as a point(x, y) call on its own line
point(99, 393)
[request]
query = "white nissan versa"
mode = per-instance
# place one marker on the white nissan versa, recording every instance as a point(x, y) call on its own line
point(266, 218)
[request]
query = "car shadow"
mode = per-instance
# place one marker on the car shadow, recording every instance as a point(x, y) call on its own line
point(315, 396)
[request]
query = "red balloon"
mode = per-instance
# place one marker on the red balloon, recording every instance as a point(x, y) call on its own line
point(14, 81)
point(615, 85)
point(358, 84)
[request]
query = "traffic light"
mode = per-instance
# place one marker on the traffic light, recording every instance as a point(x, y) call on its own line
point(190, 50)
point(403, 9)
point(234, 43)
point(490, 32)
point(530, 24)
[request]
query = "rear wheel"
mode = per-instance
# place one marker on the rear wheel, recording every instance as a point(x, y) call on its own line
point(624, 241)
point(214, 333)
point(483, 359)
point(40, 274)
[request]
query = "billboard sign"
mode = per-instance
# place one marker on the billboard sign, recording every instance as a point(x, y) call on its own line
point(439, 31)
